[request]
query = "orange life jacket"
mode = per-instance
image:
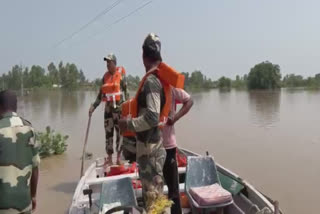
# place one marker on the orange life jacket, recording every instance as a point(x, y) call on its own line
point(168, 77)
point(111, 85)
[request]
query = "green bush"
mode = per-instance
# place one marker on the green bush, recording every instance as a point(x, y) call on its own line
point(51, 143)
point(224, 83)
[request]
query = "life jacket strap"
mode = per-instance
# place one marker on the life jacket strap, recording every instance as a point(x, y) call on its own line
point(113, 96)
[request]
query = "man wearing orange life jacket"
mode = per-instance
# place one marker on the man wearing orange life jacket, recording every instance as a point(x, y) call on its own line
point(113, 91)
point(150, 107)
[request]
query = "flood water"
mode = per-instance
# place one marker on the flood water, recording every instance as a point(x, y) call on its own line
point(271, 139)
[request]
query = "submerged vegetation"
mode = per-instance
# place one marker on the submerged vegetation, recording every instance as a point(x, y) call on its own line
point(264, 75)
point(224, 83)
point(51, 143)
point(196, 80)
point(292, 81)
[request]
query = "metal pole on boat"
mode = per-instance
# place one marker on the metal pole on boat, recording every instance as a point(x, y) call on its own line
point(276, 207)
point(85, 146)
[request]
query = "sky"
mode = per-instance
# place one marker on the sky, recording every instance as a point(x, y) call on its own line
point(219, 37)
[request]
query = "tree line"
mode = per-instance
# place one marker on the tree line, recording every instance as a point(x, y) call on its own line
point(193, 81)
point(62, 76)
point(264, 75)
point(267, 75)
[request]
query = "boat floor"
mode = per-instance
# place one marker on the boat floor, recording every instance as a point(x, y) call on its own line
point(242, 204)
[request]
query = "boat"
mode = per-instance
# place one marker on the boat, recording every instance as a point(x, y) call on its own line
point(98, 193)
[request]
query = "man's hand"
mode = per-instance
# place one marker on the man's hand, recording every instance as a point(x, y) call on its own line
point(34, 204)
point(91, 110)
point(34, 184)
point(171, 121)
point(123, 125)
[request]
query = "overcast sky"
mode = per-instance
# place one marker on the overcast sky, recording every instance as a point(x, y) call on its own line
point(219, 37)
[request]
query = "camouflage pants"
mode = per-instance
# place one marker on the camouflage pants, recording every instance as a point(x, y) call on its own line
point(111, 119)
point(129, 149)
point(151, 158)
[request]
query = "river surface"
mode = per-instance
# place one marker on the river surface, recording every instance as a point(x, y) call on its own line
point(271, 139)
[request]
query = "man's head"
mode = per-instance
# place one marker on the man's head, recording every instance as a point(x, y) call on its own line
point(151, 50)
point(8, 102)
point(111, 60)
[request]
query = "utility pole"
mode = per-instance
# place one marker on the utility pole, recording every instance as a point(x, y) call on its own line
point(22, 92)
point(21, 79)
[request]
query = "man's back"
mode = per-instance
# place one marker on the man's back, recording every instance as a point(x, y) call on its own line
point(18, 156)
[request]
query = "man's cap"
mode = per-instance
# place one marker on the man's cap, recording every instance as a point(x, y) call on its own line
point(152, 43)
point(111, 57)
point(152, 47)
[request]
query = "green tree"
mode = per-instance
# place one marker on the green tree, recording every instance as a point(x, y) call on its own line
point(14, 78)
point(37, 76)
point(317, 80)
point(62, 74)
point(292, 80)
point(67, 75)
point(264, 76)
point(133, 82)
point(82, 78)
point(239, 82)
point(196, 80)
point(186, 78)
point(53, 74)
point(72, 79)
point(224, 83)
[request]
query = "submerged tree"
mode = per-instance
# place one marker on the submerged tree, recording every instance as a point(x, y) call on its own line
point(264, 76)
point(197, 80)
point(224, 83)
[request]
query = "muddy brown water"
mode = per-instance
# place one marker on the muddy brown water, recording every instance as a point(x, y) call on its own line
point(271, 139)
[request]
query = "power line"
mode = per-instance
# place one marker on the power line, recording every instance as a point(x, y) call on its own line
point(105, 11)
point(122, 18)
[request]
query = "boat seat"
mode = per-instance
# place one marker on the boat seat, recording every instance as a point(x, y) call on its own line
point(200, 172)
point(117, 193)
point(245, 204)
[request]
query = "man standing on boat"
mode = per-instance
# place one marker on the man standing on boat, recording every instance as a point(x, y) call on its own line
point(112, 92)
point(170, 169)
point(150, 151)
point(19, 159)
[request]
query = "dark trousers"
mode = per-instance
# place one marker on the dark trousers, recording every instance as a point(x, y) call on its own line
point(171, 176)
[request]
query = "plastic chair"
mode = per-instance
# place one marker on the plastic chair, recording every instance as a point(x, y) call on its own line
point(117, 193)
point(202, 171)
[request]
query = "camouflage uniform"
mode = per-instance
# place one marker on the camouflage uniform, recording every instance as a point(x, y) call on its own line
point(111, 116)
point(150, 151)
point(18, 156)
point(129, 148)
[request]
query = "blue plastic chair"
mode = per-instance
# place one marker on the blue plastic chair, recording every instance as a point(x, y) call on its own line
point(202, 171)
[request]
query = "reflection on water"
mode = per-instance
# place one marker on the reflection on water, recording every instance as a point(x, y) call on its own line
point(70, 102)
point(263, 136)
point(66, 187)
point(224, 95)
point(264, 107)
